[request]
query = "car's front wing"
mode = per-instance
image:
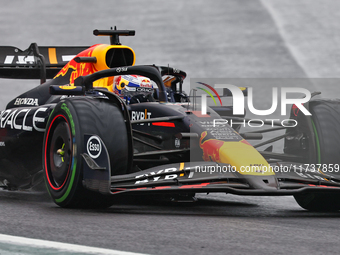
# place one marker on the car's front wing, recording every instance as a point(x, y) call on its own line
point(203, 177)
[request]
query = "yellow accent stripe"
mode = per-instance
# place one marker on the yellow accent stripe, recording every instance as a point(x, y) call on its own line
point(52, 55)
point(321, 171)
point(181, 166)
point(323, 174)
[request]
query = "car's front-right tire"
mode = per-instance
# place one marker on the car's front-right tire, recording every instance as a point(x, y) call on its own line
point(70, 121)
point(326, 128)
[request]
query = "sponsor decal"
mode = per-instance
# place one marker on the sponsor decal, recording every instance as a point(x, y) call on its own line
point(138, 115)
point(26, 101)
point(94, 147)
point(177, 143)
point(19, 60)
point(154, 176)
point(17, 119)
point(22, 60)
point(140, 89)
point(67, 58)
point(121, 69)
point(146, 83)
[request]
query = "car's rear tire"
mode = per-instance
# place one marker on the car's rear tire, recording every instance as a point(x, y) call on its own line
point(70, 120)
point(326, 127)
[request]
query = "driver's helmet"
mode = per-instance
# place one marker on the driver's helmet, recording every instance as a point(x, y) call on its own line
point(133, 88)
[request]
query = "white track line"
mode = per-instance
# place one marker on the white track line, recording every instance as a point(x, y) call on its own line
point(8, 239)
point(297, 55)
point(310, 30)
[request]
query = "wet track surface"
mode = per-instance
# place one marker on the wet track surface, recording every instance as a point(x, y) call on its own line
point(217, 224)
point(217, 39)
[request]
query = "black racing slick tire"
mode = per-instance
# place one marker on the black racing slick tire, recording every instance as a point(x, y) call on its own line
point(70, 120)
point(326, 127)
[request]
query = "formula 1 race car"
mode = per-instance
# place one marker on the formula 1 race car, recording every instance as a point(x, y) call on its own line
point(101, 127)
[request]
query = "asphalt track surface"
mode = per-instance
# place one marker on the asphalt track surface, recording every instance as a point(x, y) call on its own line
point(215, 39)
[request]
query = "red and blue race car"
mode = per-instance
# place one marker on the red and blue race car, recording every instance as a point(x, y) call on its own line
point(99, 127)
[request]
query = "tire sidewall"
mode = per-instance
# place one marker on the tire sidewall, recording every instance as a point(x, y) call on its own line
point(326, 130)
point(63, 195)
